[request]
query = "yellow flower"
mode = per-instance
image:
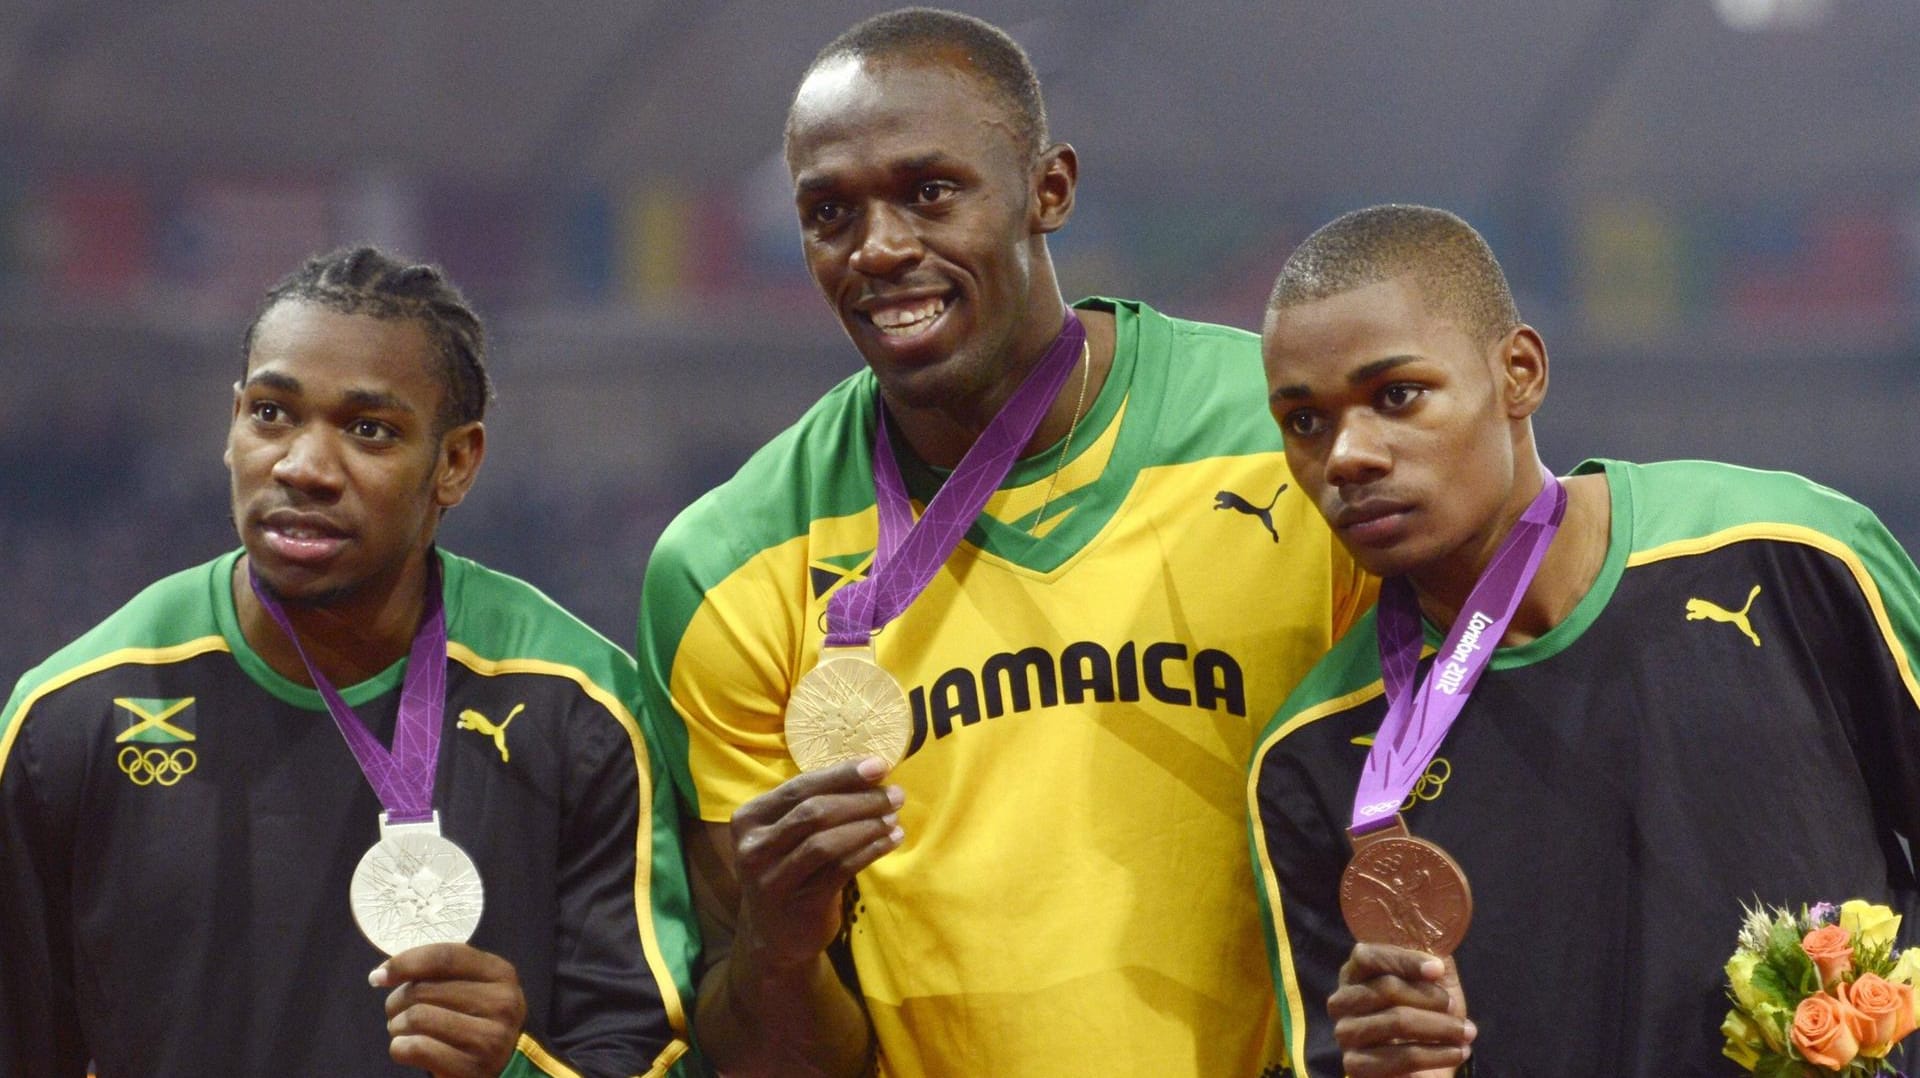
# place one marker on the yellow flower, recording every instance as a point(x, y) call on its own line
point(1871, 924)
point(1740, 978)
point(1743, 1040)
point(1906, 969)
point(1774, 1020)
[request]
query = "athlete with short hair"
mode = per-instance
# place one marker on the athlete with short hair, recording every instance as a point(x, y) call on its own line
point(1053, 879)
point(1706, 695)
point(180, 819)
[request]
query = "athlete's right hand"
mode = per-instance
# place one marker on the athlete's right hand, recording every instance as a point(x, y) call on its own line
point(797, 846)
point(1400, 1013)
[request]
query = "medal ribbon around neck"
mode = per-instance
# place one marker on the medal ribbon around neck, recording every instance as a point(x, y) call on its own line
point(1418, 719)
point(909, 552)
point(403, 778)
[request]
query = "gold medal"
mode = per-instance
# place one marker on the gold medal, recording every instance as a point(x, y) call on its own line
point(845, 708)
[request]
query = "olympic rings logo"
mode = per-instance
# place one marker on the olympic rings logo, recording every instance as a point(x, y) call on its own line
point(1430, 784)
point(147, 767)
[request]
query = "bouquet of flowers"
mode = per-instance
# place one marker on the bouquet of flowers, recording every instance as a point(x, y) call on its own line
point(1819, 992)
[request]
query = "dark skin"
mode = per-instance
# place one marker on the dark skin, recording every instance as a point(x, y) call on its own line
point(1414, 437)
point(924, 219)
point(340, 475)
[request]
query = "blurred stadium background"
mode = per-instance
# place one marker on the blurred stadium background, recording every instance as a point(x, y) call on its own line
point(1711, 208)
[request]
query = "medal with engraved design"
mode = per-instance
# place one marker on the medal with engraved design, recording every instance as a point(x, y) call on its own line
point(1405, 891)
point(415, 887)
point(846, 708)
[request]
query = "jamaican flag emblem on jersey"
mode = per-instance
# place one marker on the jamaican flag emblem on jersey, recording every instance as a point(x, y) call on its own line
point(153, 745)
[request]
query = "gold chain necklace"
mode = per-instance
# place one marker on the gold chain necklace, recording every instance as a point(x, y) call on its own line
point(1086, 375)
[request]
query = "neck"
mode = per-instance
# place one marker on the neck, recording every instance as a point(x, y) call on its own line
point(349, 639)
point(1571, 565)
point(940, 435)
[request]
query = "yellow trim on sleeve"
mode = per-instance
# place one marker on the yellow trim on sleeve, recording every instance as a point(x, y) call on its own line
point(1819, 540)
point(1296, 1027)
point(643, 842)
point(172, 653)
point(543, 1059)
point(554, 1068)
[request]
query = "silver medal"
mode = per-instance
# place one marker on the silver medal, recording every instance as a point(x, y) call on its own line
point(415, 887)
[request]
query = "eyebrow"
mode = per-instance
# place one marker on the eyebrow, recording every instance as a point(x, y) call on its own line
point(367, 400)
point(1361, 375)
point(909, 166)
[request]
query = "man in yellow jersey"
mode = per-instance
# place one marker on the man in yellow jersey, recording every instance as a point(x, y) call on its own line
point(1052, 881)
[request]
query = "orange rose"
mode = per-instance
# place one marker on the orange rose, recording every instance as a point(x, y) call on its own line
point(1884, 1011)
point(1823, 1031)
point(1831, 949)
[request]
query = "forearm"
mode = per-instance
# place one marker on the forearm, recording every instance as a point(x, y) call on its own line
point(802, 1023)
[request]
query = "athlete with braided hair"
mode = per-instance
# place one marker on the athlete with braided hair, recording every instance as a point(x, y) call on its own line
point(181, 822)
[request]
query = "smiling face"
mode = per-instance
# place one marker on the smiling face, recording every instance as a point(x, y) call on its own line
point(922, 214)
point(1403, 427)
point(339, 472)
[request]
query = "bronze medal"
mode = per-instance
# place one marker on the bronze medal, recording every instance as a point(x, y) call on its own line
point(1405, 891)
point(845, 708)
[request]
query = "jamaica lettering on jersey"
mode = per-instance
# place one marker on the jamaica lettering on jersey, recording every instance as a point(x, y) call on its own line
point(1033, 677)
point(1618, 787)
point(178, 825)
point(1072, 893)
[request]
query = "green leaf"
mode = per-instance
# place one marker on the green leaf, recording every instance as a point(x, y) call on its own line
point(1774, 1066)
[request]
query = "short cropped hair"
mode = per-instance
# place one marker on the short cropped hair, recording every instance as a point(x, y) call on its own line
point(1450, 263)
point(922, 33)
point(368, 281)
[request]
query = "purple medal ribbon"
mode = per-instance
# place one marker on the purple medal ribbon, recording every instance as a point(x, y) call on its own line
point(1418, 720)
point(403, 778)
point(909, 553)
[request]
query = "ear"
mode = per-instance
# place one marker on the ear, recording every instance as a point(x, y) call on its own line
point(1055, 173)
point(226, 455)
point(461, 451)
point(1523, 370)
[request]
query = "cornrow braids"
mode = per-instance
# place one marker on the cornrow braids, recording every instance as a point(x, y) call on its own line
point(367, 281)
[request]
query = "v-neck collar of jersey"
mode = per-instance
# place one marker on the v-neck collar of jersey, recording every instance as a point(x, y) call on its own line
point(1053, 547)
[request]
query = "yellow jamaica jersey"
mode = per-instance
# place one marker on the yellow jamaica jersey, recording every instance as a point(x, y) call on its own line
point(1073, 896)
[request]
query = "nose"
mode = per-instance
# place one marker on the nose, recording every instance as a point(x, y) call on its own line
point(887, 243)
point(310, 464)
point(1359, 453)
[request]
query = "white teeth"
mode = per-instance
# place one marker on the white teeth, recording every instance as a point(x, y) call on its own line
point(909, 318)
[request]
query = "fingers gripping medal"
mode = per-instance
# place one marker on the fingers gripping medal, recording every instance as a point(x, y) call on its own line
point(414, 886)
point(1399, 889)
point(848, 706)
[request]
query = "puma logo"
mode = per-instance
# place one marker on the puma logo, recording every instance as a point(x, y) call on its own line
point(1227, 499)
point(1701, 608)
point(473, 720)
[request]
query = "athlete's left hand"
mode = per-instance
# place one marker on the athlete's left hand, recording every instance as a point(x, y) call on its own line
point(457, 1012)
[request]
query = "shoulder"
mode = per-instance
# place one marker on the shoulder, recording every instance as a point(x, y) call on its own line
point(1199, 386)
point(173, 618)
point(818, 467)
point(1158, 332)
point(498, 623)
point(1680, 503)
